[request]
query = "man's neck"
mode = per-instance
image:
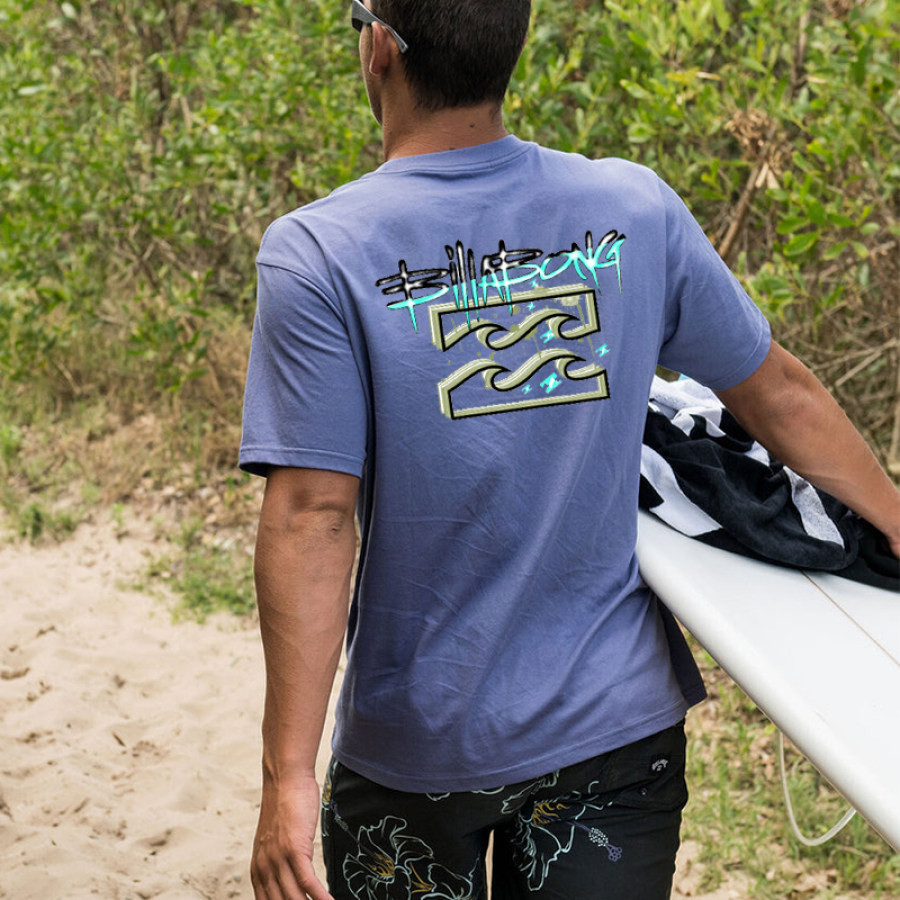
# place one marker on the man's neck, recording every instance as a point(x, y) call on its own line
point(446, 129)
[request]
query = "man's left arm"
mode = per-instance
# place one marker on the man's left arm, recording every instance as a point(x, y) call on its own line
point(788, 410)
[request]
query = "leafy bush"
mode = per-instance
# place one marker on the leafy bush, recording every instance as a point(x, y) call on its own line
point(709, 93)
point(145, 145)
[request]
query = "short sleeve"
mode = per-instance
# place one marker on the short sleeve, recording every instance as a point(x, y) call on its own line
point(304, 403)
point(714, 332)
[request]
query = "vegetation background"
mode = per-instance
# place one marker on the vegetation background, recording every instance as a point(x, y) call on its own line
point(146, 144)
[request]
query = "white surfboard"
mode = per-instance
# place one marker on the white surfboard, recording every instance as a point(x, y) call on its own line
point(819, 654)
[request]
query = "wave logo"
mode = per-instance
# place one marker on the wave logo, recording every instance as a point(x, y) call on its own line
point(542, 337)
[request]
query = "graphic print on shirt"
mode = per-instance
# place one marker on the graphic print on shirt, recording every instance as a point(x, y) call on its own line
point(537, 312)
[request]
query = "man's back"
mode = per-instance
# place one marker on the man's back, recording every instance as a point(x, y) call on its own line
point(477, 331)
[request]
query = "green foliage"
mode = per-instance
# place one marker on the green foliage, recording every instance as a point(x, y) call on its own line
point(41, 494)
point(143, 146)
point(10, 445)
point(711, 93)
point(34, 521)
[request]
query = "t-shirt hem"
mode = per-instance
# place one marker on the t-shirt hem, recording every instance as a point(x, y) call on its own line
point(535, 768)
point(749, 365)
point(695, 693)
point(258, 460)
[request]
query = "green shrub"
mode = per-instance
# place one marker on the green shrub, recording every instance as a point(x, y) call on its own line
point(145, 145)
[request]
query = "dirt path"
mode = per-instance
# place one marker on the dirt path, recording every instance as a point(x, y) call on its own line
point(129, 743)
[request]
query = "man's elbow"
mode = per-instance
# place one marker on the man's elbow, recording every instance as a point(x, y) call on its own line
point(309, 506)
point(781, 397)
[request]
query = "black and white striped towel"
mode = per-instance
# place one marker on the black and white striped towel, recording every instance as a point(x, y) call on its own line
point(705, 476)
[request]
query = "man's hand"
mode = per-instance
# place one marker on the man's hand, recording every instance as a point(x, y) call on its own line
point(895, 547)
point(282, 864)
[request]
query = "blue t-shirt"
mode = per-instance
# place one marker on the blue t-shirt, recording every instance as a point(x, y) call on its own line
point(474, 333)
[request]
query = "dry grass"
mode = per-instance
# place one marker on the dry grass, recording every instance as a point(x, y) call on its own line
point(854, 349)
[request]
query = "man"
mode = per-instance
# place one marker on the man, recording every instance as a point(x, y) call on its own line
point(459, 347)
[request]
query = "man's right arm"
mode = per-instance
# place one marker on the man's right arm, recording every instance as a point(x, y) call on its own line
point(304, 557)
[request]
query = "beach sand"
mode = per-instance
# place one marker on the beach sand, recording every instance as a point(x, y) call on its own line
point(129, 742)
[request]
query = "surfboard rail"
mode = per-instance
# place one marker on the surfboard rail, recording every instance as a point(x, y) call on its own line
point(819, 654)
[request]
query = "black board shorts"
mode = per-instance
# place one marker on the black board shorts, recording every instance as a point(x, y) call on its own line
point(603, 829)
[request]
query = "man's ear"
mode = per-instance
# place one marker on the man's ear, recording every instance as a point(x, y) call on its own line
point(383, 49)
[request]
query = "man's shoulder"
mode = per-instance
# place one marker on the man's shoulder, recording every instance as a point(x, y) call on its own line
point(333, 204)
point(310, 228)
point(617, 177)
point(612, 181)
point(595, 162)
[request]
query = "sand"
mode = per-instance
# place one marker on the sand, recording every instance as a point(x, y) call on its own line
point(129, 742)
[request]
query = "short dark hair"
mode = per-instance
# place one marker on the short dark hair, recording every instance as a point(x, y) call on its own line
point(461, 52)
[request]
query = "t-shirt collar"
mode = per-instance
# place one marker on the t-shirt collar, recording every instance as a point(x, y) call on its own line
point(486, 155)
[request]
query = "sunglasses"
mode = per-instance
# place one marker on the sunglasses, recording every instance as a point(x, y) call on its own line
point(360, 15)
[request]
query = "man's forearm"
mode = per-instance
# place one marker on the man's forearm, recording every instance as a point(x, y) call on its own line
point(304, 558)
point(789, 412)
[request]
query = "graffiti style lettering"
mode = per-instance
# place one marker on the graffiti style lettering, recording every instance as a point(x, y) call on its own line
point(497, 268)
point(463, 276)
point(586, 262)
point(500, 273)
point(406, 282)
